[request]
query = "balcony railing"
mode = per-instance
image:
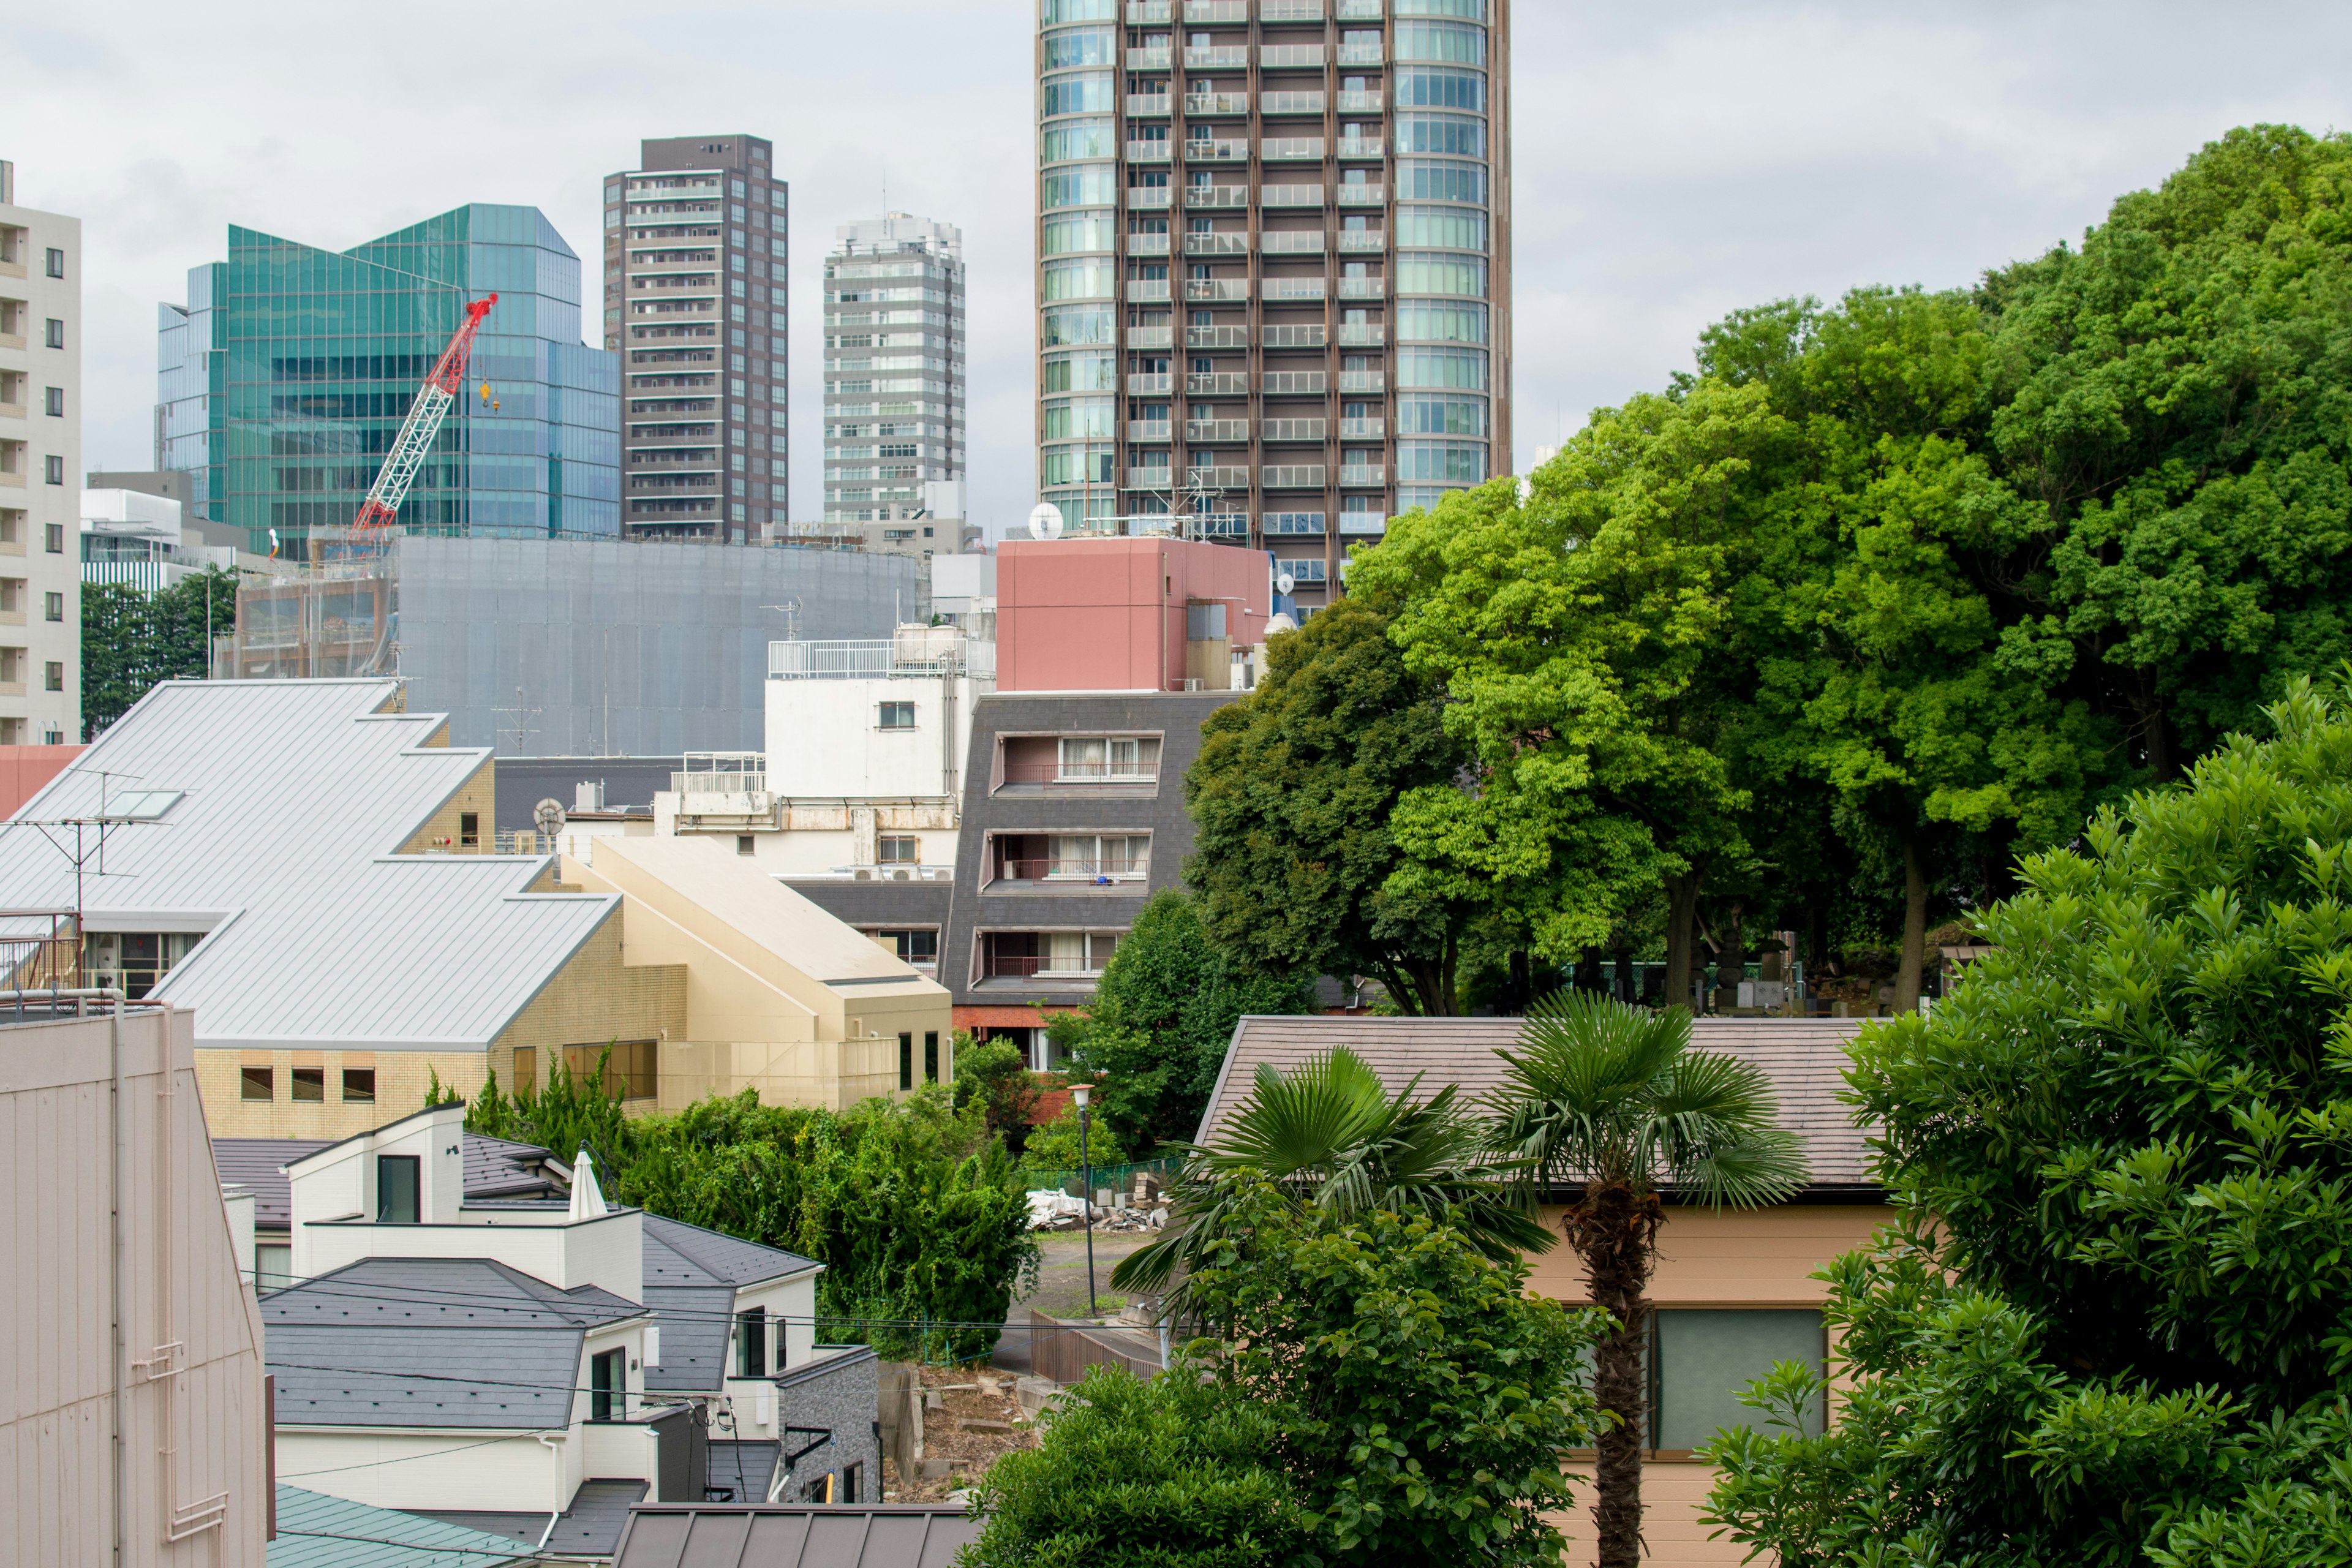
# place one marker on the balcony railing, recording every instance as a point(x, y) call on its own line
point(1146, 105)
point(1293, 429)
point(1362, 147)
point(1362, 103)
point(1064, 772)
point(1144, 13)
point(1362, 239)
point(1004, 966)
point(1291, 149)
point(1147, 290)
point(1293, 477)
point(1302, 335)
point(1309, 243)
point(916, 654)
point(1216, 337)
point(1363, 429)
point(1147, 59)
point(1216, 384)
point(1217, 429)
point(1216, 10)
point(1363, 381)
point(1294, 383)
point(1289, 10)
point(1148, 338)
point(1143, 198)
point(1294, 288)
point(1363, 287)
point(1203, 150)
point(1148, 478)
point(1293, 524)
point(1363, 474)
point(1147, 151)
point(706, 783)
point(1072, 870)
point(1216, 195)
point(1361, 523)
point(1216, 103)
point(1363, 195)
point(1290, 195)
point(1146, 245)
point(1216, 245)
point(1277, 55)
point(1362, 334)
point(1209, 289)
point(1290, 102)
point(1360, 54)
point(1147, 429)
point(1220, 478)
point(1216, 59)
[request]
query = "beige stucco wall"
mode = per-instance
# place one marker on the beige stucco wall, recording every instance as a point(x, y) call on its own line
point(602, 993)
point(477, 794)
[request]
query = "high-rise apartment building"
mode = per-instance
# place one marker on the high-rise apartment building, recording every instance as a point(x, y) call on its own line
point(283, 380)
point(40, 451)
point(893, 370)
point(1273, 263)
point(695, 302)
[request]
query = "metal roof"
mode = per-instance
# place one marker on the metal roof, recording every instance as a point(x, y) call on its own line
point(1806, 1059)
point(319, 1531)
point(591, 1527)
point(296, 797)
point(430, 1341)
point(783, 1536)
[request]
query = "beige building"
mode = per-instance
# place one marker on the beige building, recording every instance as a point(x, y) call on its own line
point(40, 451)
point(145, 1330)
point(1734, 1292)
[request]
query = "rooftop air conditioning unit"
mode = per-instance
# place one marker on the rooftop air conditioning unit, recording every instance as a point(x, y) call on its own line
point(862, 874)
point(902, 876)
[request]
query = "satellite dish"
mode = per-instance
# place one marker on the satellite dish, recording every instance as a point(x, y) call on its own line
point(1280, 622)
point(1045, 520)
point(1285, 583)
point(549, 817)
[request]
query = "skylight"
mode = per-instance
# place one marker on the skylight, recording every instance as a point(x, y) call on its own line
point(141, 804)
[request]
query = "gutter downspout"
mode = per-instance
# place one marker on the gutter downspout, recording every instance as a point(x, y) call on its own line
point(549, 1442)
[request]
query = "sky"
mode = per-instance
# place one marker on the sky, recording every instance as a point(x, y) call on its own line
point(1669, 164)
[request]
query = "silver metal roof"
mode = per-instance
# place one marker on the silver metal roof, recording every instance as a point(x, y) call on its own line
point(296, 798)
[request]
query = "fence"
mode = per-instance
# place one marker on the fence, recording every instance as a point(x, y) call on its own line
point(1064, 1352)
point(1117, 1178)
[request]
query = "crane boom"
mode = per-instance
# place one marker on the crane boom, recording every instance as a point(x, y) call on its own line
point(380, 514)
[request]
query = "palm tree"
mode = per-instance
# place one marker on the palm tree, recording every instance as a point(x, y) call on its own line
point(1610, 1102)
point(1329, 1136)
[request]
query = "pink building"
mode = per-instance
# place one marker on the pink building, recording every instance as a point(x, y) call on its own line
point(1126, 615)
point(24, 769)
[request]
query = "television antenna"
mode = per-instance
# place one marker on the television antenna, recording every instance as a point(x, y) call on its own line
point(790, 610)
point(522, 727)
point(86, 848)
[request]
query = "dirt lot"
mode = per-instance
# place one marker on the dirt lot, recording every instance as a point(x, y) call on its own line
point(1061, 1289)
point(967, 1393)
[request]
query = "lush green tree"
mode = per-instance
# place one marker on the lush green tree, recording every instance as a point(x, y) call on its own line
point(1057, 1146)
point(1172, 1473)
point(2111, 1327)
point(995, 1075)
point(1611, 1103)
point(1293, 855)
point(131, 641)
point(1163, 1012)
point(1327, 1137)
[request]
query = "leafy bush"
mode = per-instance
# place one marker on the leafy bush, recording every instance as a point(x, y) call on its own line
point(995, 1074)
point(1054, 1145)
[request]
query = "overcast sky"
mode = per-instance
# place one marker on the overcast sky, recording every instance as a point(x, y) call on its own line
point(1668, 167)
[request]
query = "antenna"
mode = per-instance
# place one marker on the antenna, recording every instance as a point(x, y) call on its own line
point(522, 727)
point(548, 818)
point(1284, 583)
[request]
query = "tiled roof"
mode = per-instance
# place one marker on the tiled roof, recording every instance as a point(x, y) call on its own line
point(1805, 1058)
point(779, 1535)
point(502, 1168)
point(496, 1169)
point(721, 1257)
point(691, 1278)
point(319, 1531)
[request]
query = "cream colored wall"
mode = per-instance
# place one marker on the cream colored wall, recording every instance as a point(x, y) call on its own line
point(606, 991)
point(477, 794)
point(402, 1079)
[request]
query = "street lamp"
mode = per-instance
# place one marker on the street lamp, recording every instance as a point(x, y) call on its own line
point(1079, 1093)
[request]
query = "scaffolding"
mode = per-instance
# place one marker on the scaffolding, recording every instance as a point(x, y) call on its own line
point(334, 617)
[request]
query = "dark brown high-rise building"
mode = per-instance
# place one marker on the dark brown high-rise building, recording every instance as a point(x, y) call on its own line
point(1274, 265)
point(695, 302)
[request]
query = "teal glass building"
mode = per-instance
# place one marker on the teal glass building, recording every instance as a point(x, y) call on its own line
point(284, 378)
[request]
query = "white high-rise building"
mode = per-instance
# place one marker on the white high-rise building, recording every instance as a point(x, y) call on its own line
point(893, 370)
point(40, 473)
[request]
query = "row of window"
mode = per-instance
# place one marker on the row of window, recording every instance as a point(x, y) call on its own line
point(308, 1085)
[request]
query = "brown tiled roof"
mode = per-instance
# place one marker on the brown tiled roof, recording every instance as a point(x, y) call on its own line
point(1806, 1058)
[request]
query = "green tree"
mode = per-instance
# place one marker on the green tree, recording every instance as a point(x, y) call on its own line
point(1293, 855)
point(1327, 1137)
point(1056, 1146)
point(2110, 1328)
point(131, 641)
point(1611, 1101)
point(995, 1075)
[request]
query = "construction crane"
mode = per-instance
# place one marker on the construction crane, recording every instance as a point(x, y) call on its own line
point(380, 514)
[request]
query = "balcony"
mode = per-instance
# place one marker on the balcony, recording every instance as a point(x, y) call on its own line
point(1363, 287)
point(1148, 337)
point(1147, 429)
point(1363, 239)
point(1363, 195)
point(1360, 54)
point(1277, 290)
point(1204, 150)
point(1300, 335)
point(1293, 429)
point(1307, 242)
point(1289, 10)
point(1146, 245)
point(1153, 152)
point(1219, 524)
point(1209, 431)
point(1143, 385)
point(1358, 430)
point(1100, 872)
point(1362, 523)
point(1291, 103)
point(1198, 11)
point(1291, 149)
point(1214, 59)
point(1216, 384)
point(1293, 477)
point(1198, 197)
point(1362, 103)
point(1144, 13)
point(1216, 245)
point(1294, 383)
point(1363, 335)
point(1152, 479)
point(1362, 147)
point(1216, 337)
point(1209, 291)
point(1147, 290)
point(1294, 525)
point(1278, 56)
point(1290, 195)
point(1147, 105)
point(1203, 103)
point(1145, 198)
point(1147, 59)
point(1364, 474)
point(1229, 479)
point(1363, 381)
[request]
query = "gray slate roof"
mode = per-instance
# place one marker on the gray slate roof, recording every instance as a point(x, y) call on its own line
point(691, 1278)
point(320, 1532)
point(724, 1535)
point(408, 1341)
point(1805, 1057)
point(502, 1168)
point(496, 1169)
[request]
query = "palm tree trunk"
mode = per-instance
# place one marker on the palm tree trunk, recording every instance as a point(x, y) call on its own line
point(1682, 916)
point(1914, 929)
point(1615, 1231)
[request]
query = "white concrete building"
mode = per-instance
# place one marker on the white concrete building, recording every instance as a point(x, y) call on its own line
point(40, 465)
point(133, 537)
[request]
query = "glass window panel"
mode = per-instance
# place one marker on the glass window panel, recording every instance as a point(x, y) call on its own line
point(1446, 368)
point(1433, 87)
point(1432, 323)
point(1457, 135)
point(1706, 1358)
point(1082, 186)
point(1442, 462)
point(1077, 46)
point(1425, 180)
point(1424, 272)
point(1088, 94)
point(1084, 231)
point(1446, 43)
point(1468, 10)
point(1090, 279)
point(1067, 140)
point(1453, 229)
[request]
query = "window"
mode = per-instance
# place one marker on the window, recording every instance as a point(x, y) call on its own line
point(526, 1069)
point(751, 1342)
point(396, 1184)
point(56, 334)
point(53, 471)
point(897, 716)
point(852, 1477)
point(53, 607)
point(608, 1385)
point(359, 1086)
point(469, 830)
point(930, 1056)
point(54, 539)
point(897, 849)
point(630, 1071)
point(1702, 1360)
point(256, 1083)
point(56, 262)
point(745, 845)
point(53, 402)
point(53, 677)
point(919, 948)
point(905, 1062)
point(273, 1268)
point(309, 1086)
point(141, 804)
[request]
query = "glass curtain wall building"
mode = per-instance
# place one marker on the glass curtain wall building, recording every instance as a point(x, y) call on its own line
point(894, 367)
point(284, 378)
point(695, 303)
point(1273, 263)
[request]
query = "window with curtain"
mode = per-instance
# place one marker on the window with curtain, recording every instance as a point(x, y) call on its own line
point(1465, 369)
point(1077, 46)
point(1703, 1358)
point(1431, 180)
point(1448, 228)
point(1429, 87)
point(1441, 272)
point(1442, 416)
point(1457, 135)
point(1066, 141)
point(1421, 322)
point(1444, 43)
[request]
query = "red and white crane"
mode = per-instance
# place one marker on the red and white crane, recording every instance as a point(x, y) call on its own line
point(380, 514)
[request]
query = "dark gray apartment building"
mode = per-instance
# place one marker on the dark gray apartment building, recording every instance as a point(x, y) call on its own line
point(695, 302)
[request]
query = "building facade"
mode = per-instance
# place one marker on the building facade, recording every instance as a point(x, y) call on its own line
point(40, 450)
point(284, 379)
point(695, 303)
point(1274, 264)
point(895, 360)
